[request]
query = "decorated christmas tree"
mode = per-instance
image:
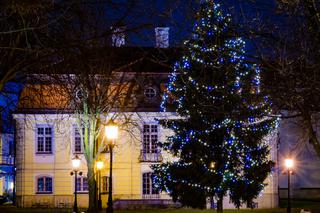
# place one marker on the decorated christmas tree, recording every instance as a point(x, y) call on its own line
point(217, 143)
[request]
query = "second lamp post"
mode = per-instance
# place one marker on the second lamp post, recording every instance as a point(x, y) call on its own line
point(289, 166)
point(99, 166)
point(76, 165)
point(111, 132)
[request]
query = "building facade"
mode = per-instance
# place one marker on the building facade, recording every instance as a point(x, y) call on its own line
point(47, 143)
point(47, 138)
point(46, 147)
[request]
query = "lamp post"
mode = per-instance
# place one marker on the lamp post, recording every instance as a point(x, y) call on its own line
point(99, 166)
point(75, 165)
point(111, 132)
point(289, 165)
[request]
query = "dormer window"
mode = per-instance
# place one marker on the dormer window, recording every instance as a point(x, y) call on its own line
point(150, 92)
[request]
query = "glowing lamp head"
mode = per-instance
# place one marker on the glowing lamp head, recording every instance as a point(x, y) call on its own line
point(289, 163)
point(212, 165)
point(76, 162)
point(111, 130)
point(99, 164)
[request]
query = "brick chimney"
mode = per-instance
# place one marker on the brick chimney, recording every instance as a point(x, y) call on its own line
point(162, 37)
point(118, 37)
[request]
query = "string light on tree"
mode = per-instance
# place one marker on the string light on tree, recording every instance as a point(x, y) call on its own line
point(224, 116)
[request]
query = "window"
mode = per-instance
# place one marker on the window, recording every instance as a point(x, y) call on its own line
point(77, 141)
point(148, 187)
point(82, 184)
point(105, 181)
point(150, 92)
point(44, 185)
point(44, 140)
point(150, 138)
point(150, 151)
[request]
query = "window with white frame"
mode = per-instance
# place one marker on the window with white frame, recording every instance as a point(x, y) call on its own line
point(77, 140)
point(105, 181)
point(44, 139)
point(44, 185)
point(148, 187)
point(82, 184)
point(150, 138)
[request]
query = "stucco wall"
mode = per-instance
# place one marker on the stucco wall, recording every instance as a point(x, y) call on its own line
point(127, 178)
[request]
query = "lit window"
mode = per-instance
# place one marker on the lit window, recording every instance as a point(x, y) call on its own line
point(44, 185)
point(148, 187)
point(82, 184)
point(105, 185)
point(150, 92)
point(44, 140)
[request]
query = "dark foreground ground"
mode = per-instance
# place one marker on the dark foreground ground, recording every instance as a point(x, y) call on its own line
point(11, 209)
point(311, 205)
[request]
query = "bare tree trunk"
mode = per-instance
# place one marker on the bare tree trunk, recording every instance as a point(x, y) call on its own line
point(311, 133)
point(220, 204)
point(92, 188)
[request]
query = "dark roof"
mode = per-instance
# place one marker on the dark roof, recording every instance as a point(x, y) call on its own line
point(119, 59)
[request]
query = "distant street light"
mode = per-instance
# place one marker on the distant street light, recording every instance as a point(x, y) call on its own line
point(289, 163)
point(111, 132)
point(99, 166)
point(76, 165)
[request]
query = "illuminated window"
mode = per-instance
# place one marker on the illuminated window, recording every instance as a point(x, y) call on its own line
point(105, 181)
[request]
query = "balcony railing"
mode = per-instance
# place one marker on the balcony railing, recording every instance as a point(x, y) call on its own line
point(150, 157)
point(150, 196)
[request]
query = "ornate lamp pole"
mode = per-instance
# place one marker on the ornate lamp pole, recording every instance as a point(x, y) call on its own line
point(289, 165)
point(111, 131)
point(99, 165)
point(75, 164)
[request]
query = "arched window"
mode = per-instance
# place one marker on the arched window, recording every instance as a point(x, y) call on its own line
point(44, 185)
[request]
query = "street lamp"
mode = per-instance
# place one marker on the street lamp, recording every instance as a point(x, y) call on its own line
point(289, 165)
point(99, 165)
point(111, 132)
point(75, 164)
